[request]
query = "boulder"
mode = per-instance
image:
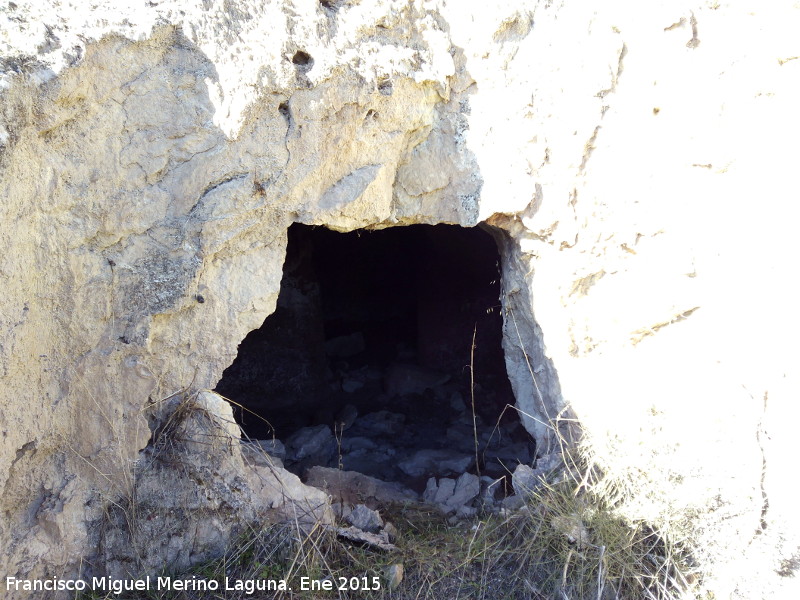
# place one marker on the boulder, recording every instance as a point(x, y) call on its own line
point(437, 462)
point(524, 480)
point(353, 488)
point(393, 576)
point(377, 463)
point(219, 410)
point(437, 492)
point(380, 423)
point(273, 447)
point(467, 488)
point(451, 496)
point(195, 491)
point(527, 479)
point(312, 445)
point(253, 454)
point(354, 444)
point(549, 462)
point(365, 519)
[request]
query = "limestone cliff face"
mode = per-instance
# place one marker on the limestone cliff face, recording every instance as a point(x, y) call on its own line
point(634, 163)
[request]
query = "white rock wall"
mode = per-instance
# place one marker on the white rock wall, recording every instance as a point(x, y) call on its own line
point(636, 159)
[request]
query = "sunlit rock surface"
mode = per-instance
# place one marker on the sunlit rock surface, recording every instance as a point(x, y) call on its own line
point(635, 161)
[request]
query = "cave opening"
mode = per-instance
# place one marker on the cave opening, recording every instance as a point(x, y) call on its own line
point(368, 363)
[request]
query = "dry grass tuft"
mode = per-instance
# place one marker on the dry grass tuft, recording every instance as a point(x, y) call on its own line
point(569, 542)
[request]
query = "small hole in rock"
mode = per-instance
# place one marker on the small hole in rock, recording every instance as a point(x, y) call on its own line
point(385, 87)
point(302, 59)
point(285, 111)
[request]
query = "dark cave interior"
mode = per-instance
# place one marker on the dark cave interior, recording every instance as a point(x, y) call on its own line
point(366, 361)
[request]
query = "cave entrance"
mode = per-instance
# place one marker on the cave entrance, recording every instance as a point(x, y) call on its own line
point(366, 362)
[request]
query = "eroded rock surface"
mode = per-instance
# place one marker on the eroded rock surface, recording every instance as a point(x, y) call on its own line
point(631, 159)
point(193, 490)
point(351, 487)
